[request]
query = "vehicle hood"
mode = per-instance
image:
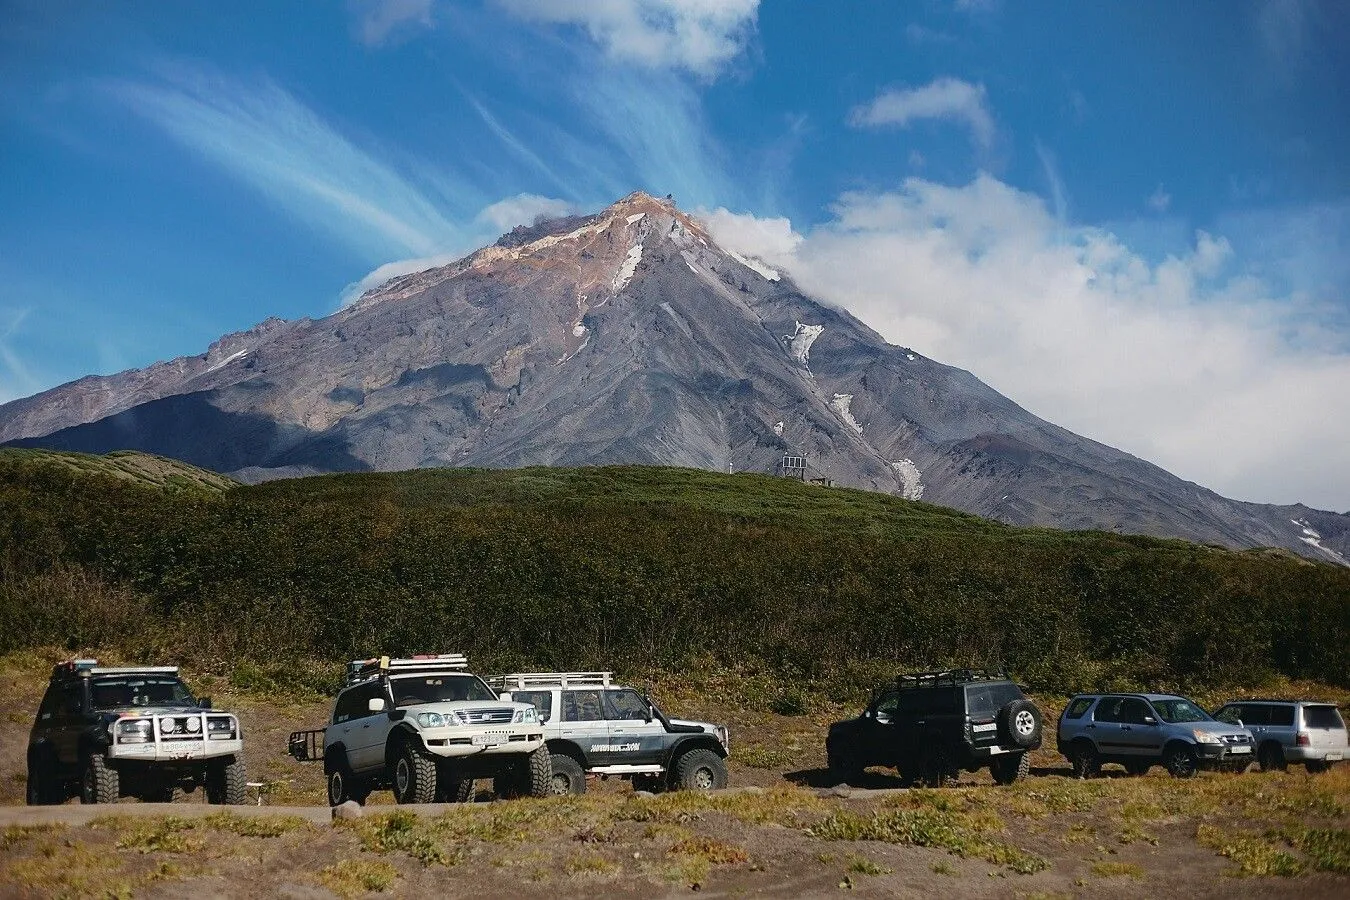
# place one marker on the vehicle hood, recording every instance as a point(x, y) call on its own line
point(1217, 728)
point(462, 706)
point(121, 711)
point(706, 726)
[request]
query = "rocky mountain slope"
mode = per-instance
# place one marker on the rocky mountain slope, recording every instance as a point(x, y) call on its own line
point(630, 337)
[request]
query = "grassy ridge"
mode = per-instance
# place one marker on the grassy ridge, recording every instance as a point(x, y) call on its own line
point(640, 568)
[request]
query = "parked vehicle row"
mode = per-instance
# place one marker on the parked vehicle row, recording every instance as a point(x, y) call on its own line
point(931, 725)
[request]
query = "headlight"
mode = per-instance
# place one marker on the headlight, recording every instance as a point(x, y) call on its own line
point(431, 720)
point(167, 725)
point(528, 716)
point(194, 724)
point(220, 728)
point(134, 731)
point(1204, 737)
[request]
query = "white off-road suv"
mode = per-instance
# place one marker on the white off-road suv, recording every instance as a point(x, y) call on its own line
point(426, 728)
point(597, 727)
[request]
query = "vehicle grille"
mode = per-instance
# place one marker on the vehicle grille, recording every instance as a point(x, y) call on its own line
point(492, 716)
point(1236, 739)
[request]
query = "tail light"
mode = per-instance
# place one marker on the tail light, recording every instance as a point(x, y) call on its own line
point(1304, 740)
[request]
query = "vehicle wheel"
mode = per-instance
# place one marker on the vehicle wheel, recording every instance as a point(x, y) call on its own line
point(1316, 766)
point(1137, 767)
point(936, 769)
point(1085, 761)
point(567, 777)
point(43, 787)
point(450, 789)
point(1271, 757)
point(414, 775)
point(227, 782)
point(343, 785)
point(1019, 724)
point(844, 767)
point(100, 782)
point(700, 770)
point(1180, 761)
point(1007, 769)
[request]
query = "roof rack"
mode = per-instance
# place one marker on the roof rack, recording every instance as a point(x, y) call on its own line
point(520, 681)
point(947, 678)
point(359, 670)
point(87, 667)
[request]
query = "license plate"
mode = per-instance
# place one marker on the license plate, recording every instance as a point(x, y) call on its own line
point(1335, 757)
point(990, 727)
point(1239, 749)
point(486, 740)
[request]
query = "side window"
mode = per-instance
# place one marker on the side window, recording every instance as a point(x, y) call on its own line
point(1108, 710)
point(1077, 708)
point(51, 702)
point(1134, 712)
point(542, 701)
point(887, 706)
point(346, 702)
point(582, 706)
point(1234, 712)
point(626, 705)
point(1281, 716)
point(1257, 713)
point(908, 703)
point(355, 704)
point(72, 699)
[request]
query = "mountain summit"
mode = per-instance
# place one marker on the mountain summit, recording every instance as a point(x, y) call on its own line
point(630, 336)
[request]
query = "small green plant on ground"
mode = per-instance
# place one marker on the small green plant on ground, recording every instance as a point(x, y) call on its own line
point(763, 757)
point(350, 878)
point(954, 832)
point(864, 866)
point(405, 832)
point(590, 864)
point(1253, 855)
point(1112, 869)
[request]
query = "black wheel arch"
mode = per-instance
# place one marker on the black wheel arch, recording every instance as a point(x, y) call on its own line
point(398, 736)
point(564, 747)
point(704, 741)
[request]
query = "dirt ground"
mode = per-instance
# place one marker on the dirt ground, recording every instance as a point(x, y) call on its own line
point(782, 830)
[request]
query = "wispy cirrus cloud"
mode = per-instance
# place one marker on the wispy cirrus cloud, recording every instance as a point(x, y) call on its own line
point(262, 135)
point(16, 378)
point(523, 209)
point(944, 98)
point(379, 22)
point(697, 36)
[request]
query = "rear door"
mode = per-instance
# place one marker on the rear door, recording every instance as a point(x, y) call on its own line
point(1105, 729)
point(1325, 730)
point(583, 722)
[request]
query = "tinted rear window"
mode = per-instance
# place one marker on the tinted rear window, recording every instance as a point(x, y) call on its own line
point(1077, 708)
point(1281, 716)
point(987, 699)
point(1322, 717)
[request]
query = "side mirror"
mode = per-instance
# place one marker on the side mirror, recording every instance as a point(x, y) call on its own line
point(649, 713)
point(376, 704)
point(1239, 724)
point(1149, 720)
point(504, 697)
point(543, 718)
point(204, 702)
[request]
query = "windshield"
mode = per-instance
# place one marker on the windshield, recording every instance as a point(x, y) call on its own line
point(139, 690)
point(1180, 709)
point(414, 689)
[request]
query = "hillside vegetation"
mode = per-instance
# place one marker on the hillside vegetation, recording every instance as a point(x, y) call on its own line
point(637, 569)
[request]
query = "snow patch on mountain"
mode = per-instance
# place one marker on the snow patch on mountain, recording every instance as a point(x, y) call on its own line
point(227, 360)
point(800, 341)
point(911, 482)
point(684, 326)
point(840, 404)
point(778, 429)
point(1313, 538)
point(754, 265)
point(629, 266)
point(635, 217)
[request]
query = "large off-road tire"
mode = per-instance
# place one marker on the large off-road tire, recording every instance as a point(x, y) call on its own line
point(567, 777)
point(43, 788)
point(844, 767)
point(1180, 760)
point(937, 768)
point(528, 776)
point(1317, 766)
point(451, 786)
point(1137, 767)
point(1085, 760)
point(1019, 724)
point(343, 785)
point(99, 782)
point(227, 781)
point(1270, 755)
point(700, 770)
point(163, 793)
point(1010, 767)
point(414, 775)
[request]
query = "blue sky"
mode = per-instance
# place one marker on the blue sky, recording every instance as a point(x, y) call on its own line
point(1132, 218)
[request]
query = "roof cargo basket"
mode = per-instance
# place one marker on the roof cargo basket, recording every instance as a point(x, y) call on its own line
point(948, 678)
point(524, 681)
point(365, 669)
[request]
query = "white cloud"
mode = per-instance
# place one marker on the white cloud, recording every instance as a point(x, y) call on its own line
point(524, 209)
point(262, 135)
point(1159, 200)
point(377, 22)
point(699, 36)
point(1191, 362)
point(944, 98)
point(352, 292)
point(16, 378)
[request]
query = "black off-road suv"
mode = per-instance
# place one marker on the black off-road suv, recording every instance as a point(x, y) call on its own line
point(931, 725)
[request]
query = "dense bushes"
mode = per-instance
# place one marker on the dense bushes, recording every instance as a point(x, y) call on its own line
point(640, 568)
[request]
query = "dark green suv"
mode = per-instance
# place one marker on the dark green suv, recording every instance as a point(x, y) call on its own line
point(931, 725)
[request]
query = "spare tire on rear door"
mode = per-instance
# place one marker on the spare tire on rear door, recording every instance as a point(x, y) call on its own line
point(1019, 724)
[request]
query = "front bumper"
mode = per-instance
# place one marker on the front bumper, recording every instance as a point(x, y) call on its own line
point(1224, 754)
point(176, 751)
point(453, 742)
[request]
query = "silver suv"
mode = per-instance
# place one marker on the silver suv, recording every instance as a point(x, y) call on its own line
point(1297, 731)
point(1139, 731)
